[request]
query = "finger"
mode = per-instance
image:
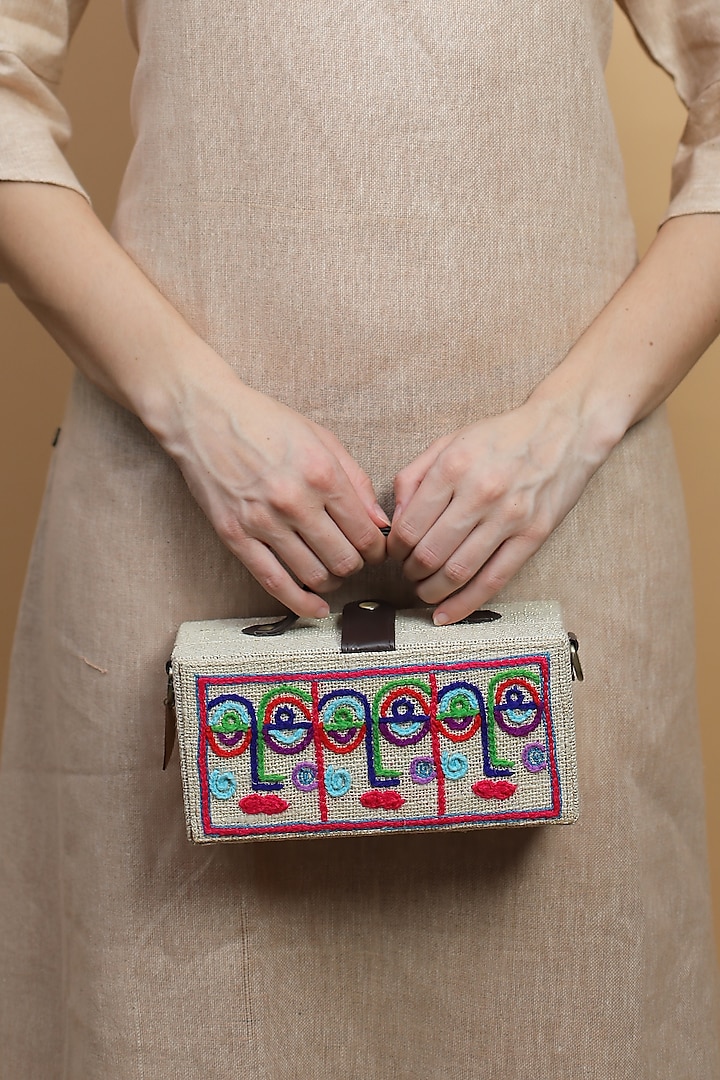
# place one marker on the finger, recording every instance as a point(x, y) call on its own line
point(354, 524)
point(429, 501)
point(306, 538)
point(494, 576)
point(322, 508)
point(305, 565)
point(269, 573)
point(462, 564)
point(456, 535)
point(359, 479)
point(362, 485)
point(408, 480)
point(321, 535)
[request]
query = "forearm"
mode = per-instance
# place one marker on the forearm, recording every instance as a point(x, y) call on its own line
point(647, 337)
point(294, 501)
point(478, 504)
point(89, 294)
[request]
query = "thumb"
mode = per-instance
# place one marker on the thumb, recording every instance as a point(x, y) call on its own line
point(359, 479)
point(409, 479)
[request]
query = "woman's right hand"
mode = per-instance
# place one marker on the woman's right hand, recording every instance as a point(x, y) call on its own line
point(281, 492)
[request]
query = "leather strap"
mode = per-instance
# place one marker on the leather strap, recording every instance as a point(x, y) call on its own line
point(368, 626)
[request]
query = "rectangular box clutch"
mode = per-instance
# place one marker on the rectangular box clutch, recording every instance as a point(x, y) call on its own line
point(375, 721)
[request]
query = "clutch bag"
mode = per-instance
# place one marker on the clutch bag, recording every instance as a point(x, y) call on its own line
point(375, 721)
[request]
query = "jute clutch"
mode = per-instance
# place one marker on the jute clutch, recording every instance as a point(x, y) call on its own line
point(375, 721)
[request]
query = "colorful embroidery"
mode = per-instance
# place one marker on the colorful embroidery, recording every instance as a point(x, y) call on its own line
point(422, 770)
point(263, 804)
point(441, 742)
point(382, 800)
point(518, 709)
point(305, 776)
point(494, 789)
point(337, 781)
point(460, 711)
point(223, 785)
point(344, 718)
point(230, 725)
point(534, 757)
point(455, 766)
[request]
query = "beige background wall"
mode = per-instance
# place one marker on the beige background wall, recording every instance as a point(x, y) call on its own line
point(36, 375)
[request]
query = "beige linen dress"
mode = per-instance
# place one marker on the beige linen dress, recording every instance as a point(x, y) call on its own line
point(396, 216)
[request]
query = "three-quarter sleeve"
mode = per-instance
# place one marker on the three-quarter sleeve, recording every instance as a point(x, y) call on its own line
point(683, 36)
point(34, 126)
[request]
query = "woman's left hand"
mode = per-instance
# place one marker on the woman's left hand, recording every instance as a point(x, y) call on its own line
point(476, 505)
point(473, 508)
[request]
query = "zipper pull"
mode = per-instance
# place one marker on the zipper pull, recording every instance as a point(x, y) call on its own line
point(170, 717)
point(576, 666)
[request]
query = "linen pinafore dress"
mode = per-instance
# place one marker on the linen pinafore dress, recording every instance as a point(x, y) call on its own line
point(396, 217)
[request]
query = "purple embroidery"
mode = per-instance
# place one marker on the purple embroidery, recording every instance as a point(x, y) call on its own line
point(304, 776)
point(518, 714)
point(422, 770)
point(290, 731)
point(534, 757)
point(405, 725)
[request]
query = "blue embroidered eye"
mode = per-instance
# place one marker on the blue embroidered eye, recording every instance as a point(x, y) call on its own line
point(402, 709)
point(518, 709)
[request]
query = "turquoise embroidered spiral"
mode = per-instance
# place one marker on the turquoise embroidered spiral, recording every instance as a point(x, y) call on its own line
point(223, 784)
point(454, 766)
point(337, 781)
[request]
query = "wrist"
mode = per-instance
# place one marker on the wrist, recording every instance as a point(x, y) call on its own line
point(581, 410)
point(168, 399)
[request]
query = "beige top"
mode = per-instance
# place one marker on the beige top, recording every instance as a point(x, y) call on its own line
point(397, 216)
point(680, 35)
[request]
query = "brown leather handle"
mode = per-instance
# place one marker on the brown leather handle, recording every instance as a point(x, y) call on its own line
point(368, 626)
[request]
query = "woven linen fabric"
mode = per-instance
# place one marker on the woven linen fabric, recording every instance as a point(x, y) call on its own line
point(396, 217)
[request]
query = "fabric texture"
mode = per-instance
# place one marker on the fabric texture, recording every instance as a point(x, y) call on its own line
point(395, 217)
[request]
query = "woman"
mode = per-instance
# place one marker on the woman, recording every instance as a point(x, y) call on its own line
point(345, 231)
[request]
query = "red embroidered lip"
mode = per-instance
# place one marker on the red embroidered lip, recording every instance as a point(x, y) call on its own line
point(494, 789)
point(263, 804)
point(381, 800)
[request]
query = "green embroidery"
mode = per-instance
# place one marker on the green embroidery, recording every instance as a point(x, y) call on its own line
point(513, 673)
point(265, 701)
point(418, 684)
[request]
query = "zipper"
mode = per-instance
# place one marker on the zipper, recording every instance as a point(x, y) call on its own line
point(170, 717)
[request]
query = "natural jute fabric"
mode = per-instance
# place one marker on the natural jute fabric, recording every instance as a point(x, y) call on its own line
point(396, 216)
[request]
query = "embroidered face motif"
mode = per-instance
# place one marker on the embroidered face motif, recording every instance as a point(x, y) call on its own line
point(341, 750)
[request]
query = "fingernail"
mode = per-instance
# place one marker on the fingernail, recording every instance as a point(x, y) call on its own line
point(381, 513)
point(397, 511)
point(323, 611)
point(440, 618)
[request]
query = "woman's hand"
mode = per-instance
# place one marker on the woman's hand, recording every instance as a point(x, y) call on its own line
point(281, 492)
point(278, 489)
point(476, 505)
